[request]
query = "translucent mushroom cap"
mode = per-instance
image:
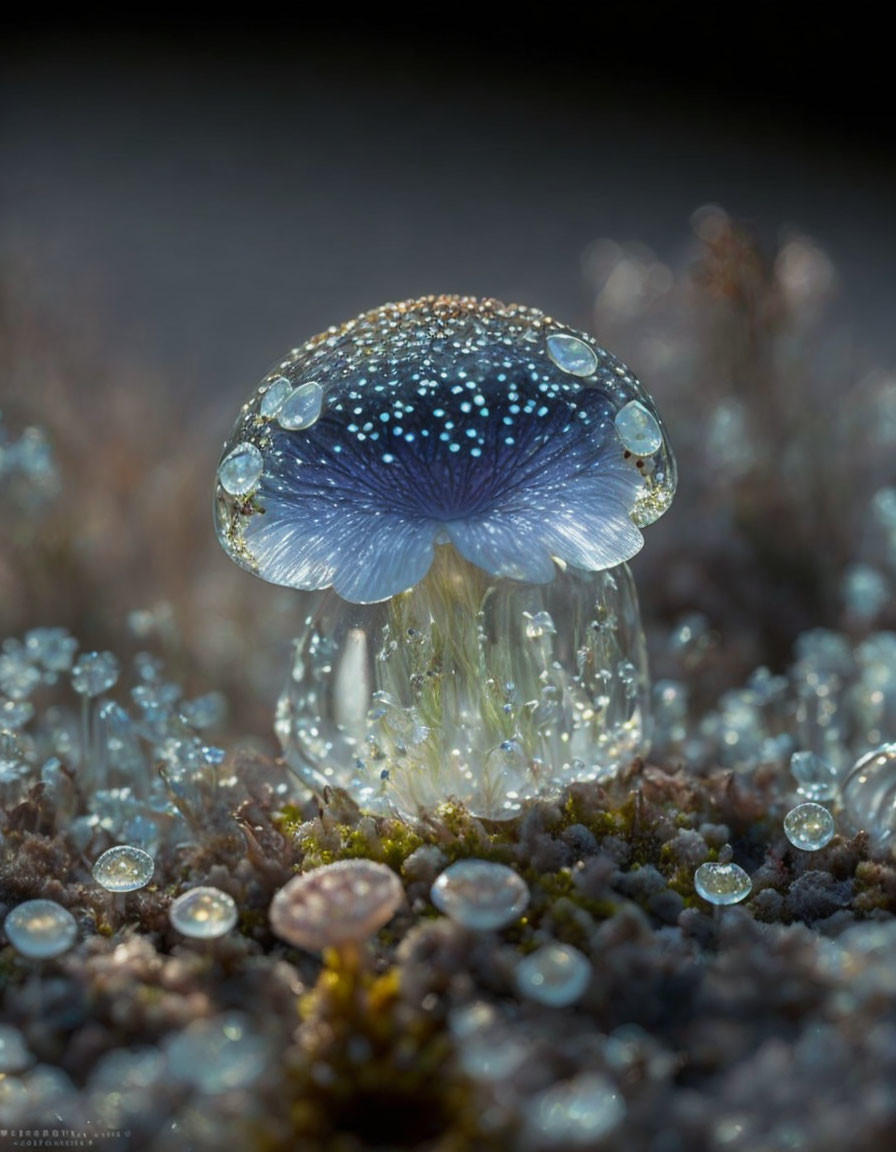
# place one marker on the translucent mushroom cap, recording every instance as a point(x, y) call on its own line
point(338, 904)
point(480, 894)
point(444, 420)
point(40, 929)
point(124, 869)
point(203, 913)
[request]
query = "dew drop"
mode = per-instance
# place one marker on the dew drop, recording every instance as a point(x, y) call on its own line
point(241, 469)
point(301, 408)
point(638, 429)
point(273, 399)
point(722, 883)
point(809, 827)
point(571, 354)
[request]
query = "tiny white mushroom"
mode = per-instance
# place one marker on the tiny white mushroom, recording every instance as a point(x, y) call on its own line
point(338, 906)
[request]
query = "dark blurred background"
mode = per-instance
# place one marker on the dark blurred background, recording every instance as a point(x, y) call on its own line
point(182, 202)
point(200, 197)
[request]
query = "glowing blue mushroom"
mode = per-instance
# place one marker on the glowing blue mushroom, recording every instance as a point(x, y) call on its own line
point(467, 479)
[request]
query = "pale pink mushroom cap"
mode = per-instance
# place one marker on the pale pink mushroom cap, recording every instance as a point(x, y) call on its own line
point(338, 904)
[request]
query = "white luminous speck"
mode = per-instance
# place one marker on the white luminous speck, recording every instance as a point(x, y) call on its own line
point(571, 354)
point(124, 869)
point(638, 429)
point(272, 400)
point(241, 469)
point(301, 408)
point(556, 974)
point(722, 883)
point(809, 827)
point(203, 913)
point(40, 929)
point(480, 894)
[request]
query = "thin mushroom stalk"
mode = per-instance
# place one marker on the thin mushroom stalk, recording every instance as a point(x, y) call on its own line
point(455, 485)
point(334, 911)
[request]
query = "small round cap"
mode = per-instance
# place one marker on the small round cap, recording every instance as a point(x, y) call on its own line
point(342, 903)
point(480, 894)
point(124, 869)
point(203, 913)
point(40, 929)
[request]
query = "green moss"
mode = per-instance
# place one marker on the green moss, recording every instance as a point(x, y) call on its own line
point(870, 890)
point(599, 822)
point(288, 821)
point(405, 1092)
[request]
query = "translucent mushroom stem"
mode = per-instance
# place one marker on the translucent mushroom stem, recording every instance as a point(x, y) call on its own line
point(468, 687)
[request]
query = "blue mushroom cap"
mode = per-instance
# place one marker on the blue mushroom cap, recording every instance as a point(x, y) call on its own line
point(445, 420)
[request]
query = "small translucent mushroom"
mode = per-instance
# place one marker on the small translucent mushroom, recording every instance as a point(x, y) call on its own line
point(869, 795)
point(203, 913)
point(123, 869)
point(555, 974)
point(337, 907)
point(93, 674)
point(721, 884)
point(480, 894)
point(40, 929)
point(816, 778)
point(809, 826)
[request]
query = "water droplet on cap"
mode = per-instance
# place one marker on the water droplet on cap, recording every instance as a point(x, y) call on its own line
point(638, 429)
point(241, 469)
point(273, 399)
point(571, 354)
point(301, 408)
